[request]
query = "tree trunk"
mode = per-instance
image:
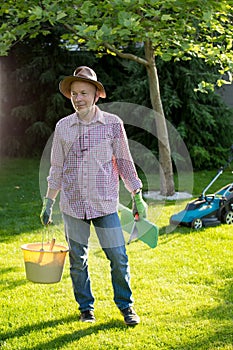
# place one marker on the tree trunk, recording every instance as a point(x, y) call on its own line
point(167, 187)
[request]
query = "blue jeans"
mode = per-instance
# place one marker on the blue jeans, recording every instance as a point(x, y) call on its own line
point(109, 232)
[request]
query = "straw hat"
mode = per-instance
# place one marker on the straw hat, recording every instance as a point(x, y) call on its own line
point(82, 73)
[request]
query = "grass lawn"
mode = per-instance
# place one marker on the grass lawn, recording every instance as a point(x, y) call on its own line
point(183, 289)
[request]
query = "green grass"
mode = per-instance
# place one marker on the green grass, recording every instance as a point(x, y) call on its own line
point(183, 289)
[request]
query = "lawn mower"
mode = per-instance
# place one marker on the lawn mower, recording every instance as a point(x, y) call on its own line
point(208, 209)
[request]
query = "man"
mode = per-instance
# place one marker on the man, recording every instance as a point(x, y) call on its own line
point(89, 153)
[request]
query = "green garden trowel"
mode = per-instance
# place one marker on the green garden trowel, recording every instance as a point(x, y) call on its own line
point(139, 229)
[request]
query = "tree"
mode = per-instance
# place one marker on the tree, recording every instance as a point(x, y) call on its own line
point(179, 29)
point(29, 116)
point(203, 120)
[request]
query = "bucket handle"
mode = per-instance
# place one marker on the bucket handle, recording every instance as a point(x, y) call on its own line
point(52, 244)
point(43, 237)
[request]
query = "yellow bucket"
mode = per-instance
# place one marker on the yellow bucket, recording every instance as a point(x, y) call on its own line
point(44, 263)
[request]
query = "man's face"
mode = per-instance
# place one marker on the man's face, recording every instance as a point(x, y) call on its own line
point(83, 96)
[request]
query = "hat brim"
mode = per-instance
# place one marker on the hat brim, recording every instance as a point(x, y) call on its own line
point(65, 84)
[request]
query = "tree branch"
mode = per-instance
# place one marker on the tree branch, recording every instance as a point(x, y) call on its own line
point(71, 29)
point(127, 56)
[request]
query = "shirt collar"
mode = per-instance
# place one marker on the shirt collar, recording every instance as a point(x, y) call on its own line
point(99, 117)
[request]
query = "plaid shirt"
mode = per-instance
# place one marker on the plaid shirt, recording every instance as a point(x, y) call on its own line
point(86, 162)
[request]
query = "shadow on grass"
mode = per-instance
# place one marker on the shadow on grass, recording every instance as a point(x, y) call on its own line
point(9, 284)
point(221, 339)
point(169, 230)
point(221, 318)
point(16, 222)
point(20, 200)
point(169, 235)
point(64, 339)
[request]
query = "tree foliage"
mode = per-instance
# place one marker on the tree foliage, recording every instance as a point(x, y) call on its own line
point(31, 101)
point(177, 28)
point(171, 30)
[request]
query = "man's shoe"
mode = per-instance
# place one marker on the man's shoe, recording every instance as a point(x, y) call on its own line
point(130, 316)
point(87, 316)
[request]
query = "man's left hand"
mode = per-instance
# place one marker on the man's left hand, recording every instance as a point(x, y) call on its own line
point(139, 206)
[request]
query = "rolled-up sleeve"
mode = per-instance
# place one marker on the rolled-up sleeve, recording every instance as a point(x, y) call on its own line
point(124, 160)
point(57, 160)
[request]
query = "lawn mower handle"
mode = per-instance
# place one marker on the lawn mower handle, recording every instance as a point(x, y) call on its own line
point(229, 159)
point(220, 171)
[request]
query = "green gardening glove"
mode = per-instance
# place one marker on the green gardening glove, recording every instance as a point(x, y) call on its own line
point(139, 206)
point(46, 212)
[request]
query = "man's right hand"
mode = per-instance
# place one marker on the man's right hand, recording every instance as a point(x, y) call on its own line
point(46, 212)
